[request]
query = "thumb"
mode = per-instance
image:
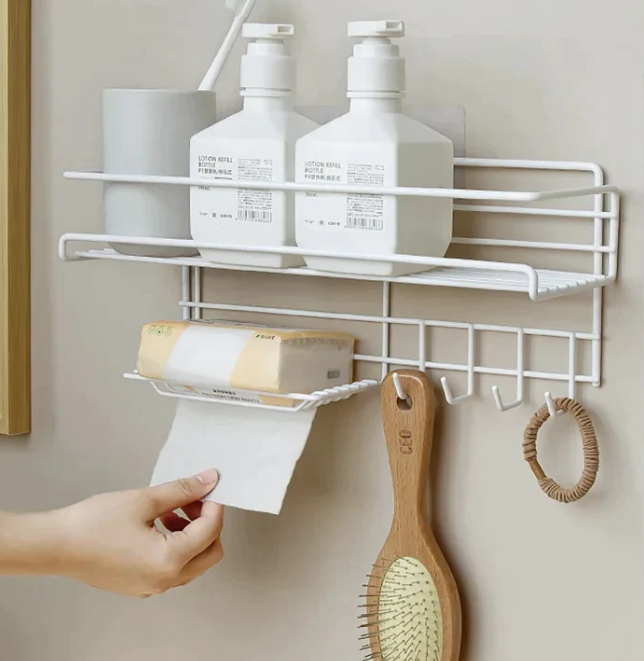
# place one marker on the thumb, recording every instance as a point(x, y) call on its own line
point(174, 495)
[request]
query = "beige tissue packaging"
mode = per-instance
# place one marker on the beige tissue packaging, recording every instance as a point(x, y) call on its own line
point(223, 358)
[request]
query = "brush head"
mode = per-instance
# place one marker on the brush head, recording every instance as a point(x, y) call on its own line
point(403, 615)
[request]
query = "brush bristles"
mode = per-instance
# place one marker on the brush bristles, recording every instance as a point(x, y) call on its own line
point(403, 616)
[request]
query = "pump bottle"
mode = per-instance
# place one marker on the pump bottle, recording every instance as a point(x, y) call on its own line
point(374, 145)
point(256, 144)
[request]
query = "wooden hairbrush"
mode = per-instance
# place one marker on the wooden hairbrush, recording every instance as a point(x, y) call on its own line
point(413, 610)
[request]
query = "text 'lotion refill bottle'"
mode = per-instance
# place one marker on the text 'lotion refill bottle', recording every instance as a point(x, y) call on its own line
point(258, 145)
point(374, 145)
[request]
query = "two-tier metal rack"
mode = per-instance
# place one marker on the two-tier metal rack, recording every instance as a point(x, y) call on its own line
point(601, 213)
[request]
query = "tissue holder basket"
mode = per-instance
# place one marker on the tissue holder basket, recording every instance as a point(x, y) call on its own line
point(253, 399)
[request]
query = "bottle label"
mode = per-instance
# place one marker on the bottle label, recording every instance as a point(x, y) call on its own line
point(357, 212)
point(234, 205)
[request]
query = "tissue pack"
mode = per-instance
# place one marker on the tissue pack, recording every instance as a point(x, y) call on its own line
point(223, 357)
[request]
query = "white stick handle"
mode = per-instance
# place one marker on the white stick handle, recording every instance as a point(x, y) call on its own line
point(213, 73)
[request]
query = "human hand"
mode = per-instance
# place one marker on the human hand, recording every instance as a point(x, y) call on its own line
point(111, 542)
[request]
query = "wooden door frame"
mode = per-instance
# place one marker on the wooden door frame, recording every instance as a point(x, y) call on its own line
point(15, 166)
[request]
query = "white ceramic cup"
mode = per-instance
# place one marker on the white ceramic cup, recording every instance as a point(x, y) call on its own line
point(147, 132)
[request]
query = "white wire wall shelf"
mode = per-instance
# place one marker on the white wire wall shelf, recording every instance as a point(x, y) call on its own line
point(539, 284)
point(601, 212)
point(292, 402)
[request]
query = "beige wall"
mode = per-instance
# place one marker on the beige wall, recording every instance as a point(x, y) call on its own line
point(538, 79)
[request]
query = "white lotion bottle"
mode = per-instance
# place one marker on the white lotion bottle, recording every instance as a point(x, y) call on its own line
point(258, 145)
point(374, 144)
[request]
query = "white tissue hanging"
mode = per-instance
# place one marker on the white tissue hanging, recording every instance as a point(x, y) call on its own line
point(255, 451)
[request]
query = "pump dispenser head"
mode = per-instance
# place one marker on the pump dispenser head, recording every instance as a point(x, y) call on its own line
point(376, 69)
point(267, 69)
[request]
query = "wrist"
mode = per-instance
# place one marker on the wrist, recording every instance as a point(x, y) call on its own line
point(31, 544)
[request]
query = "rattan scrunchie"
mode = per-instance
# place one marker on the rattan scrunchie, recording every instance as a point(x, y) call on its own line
point(590, 446)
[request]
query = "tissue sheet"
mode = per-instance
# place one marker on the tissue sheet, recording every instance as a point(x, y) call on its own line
point(254, 450)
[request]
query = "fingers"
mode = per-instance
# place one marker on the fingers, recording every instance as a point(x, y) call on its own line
point(202, 563)
point(200, 534)
point(173, 522)
point(189, 550)
point(171, 496)
point(193, 510)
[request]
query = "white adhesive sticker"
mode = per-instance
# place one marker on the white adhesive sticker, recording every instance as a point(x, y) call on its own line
point(237, 206)
point(361, 212)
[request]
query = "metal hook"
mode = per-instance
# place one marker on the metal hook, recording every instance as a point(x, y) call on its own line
point(572, 370)
point(499, 401)
point(471, 359)
point(552, 409)
point(520, 377)
point(449, 396)
point(572, 382)
point(399, 389)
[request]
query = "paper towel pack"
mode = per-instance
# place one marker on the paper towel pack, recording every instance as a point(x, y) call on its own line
point(231, 356)
point(254, 450)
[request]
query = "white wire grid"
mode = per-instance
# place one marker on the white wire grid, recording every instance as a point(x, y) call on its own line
point(539, 284)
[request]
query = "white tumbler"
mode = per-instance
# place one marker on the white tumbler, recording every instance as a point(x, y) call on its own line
point(147, 132)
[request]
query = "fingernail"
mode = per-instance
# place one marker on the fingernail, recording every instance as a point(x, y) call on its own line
point(211, 476)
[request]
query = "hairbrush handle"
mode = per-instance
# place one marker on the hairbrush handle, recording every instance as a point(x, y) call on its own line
point(413, 607)
point(409, 429)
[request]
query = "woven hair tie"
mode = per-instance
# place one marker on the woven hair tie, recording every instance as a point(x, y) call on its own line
point(589, 443)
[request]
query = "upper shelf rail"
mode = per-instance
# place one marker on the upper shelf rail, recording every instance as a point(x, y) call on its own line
point(397, 191)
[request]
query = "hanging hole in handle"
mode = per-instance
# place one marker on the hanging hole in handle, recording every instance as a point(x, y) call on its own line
point(405, 404)
point(404, 401)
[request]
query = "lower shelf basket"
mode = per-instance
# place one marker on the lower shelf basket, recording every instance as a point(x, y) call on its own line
point(289, 403)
